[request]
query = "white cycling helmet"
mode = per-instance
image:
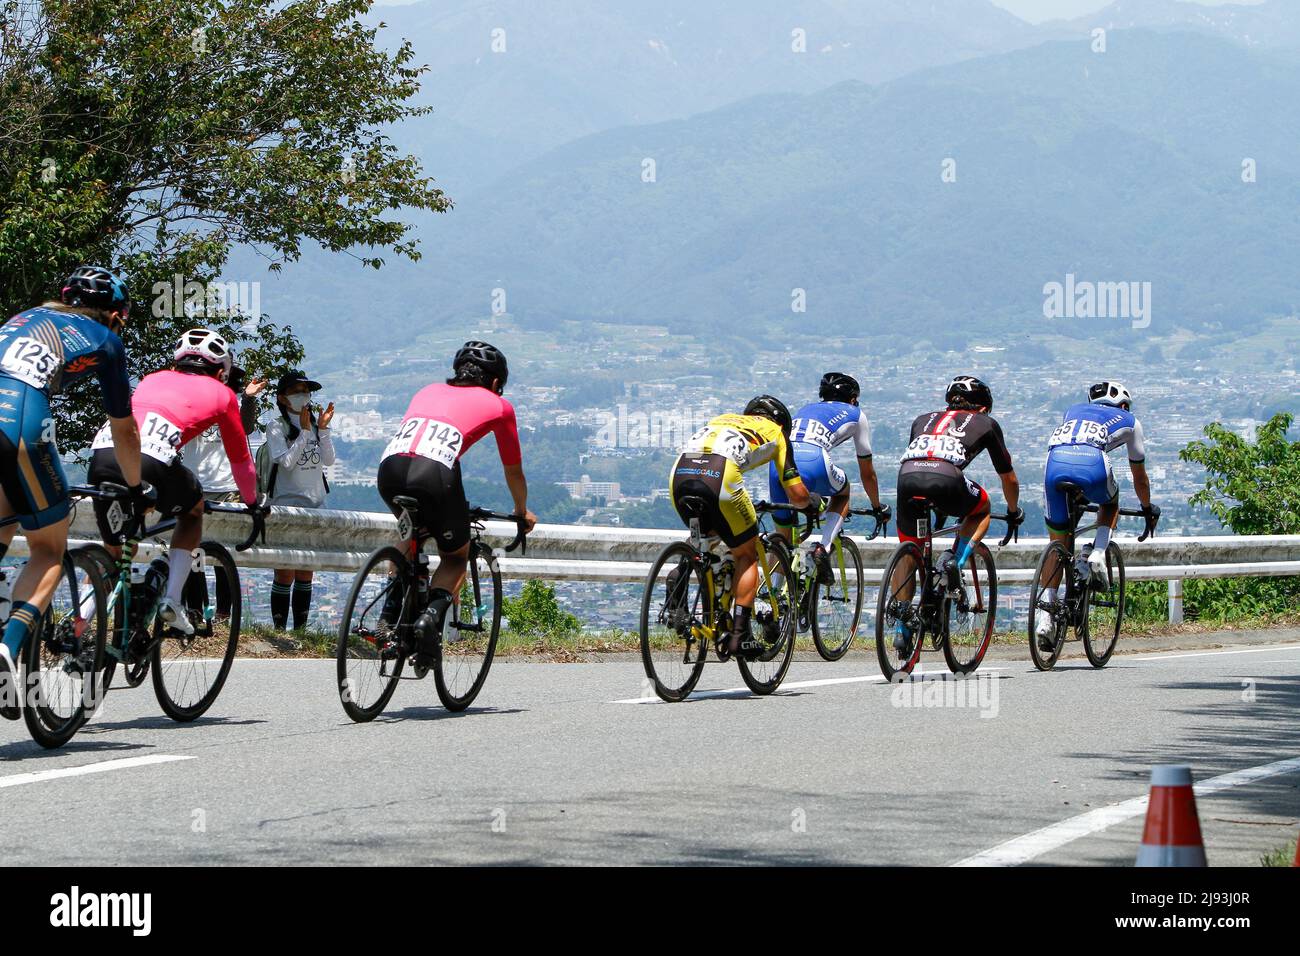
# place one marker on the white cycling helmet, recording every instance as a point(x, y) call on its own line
point(1110, 393)
point(206, 346)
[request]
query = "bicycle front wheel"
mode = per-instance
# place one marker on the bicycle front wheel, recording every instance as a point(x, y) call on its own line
point(1105, 605)
point(899, 622)
point(63, 656)
point(677, 619)
point(836, 608)
point(775, 620)
point(369, 653)
point(1055, 561)
point(469, 640)
point(969, 617)
point(189, 672)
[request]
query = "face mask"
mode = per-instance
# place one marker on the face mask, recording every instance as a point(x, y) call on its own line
point(296, 403)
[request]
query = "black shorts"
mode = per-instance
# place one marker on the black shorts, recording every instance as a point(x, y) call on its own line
point(178, 488)
point(444, 512)
point(717, 485)
point(943, 485)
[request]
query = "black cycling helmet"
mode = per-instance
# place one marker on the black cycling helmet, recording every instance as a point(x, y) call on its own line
point(838, 387)
point(487, 358)
point(768, 407)
point(94, 287)
point(968, 391)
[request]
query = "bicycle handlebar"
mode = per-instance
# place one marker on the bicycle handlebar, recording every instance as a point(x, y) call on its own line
point(521, 532)
point(809, 514)
point(110, 491)
point(881, 517)
point(1150, 519)
point(1013, 528)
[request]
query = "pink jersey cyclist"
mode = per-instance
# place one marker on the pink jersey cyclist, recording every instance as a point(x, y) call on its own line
point(445, 421)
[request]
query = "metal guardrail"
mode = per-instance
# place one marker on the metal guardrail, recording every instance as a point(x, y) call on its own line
point(328, 540)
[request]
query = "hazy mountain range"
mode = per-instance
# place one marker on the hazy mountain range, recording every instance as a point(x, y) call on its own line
point(777, 171)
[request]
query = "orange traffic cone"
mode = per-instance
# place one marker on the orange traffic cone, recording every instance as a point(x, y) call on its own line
point(1172, 836)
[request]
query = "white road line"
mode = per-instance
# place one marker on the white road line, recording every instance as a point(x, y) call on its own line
point(1273, 649)
point(1025, 848)
point(791, 685)
point(36, 776)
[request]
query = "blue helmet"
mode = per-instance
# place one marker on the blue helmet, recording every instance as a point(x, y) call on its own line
point(94, 287)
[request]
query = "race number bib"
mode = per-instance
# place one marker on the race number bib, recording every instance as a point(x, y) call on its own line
point(943, 447)
point(812, 431)
point(103, 438)
point(438, 442)
point(1076, 432)
point(30, 361)
point(159, 438)
point(724, 441)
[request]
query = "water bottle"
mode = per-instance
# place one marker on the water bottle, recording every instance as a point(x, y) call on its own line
point(155, 581)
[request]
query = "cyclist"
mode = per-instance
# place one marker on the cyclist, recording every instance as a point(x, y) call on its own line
point(1078, 453)
point(41, 351)
point(174, 406)
point(712, 467)
point(943, 444)
point(422, 461)
point(818, 428)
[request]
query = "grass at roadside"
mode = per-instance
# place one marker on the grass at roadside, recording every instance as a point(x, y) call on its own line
point(1282, 856)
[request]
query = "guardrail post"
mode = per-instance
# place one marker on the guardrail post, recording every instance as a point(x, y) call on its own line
point(1176, 601)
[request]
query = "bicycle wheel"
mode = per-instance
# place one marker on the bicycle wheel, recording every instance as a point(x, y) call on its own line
point(969, 618)
point(836, 608)
point(107, 564)
point(62, 658)
point(775, 620)
point(189, 672)
point(369, 652)
point(900, 629)
point(1041, 602)
point(469, 639)
point(677, 619)
point(1105, 615)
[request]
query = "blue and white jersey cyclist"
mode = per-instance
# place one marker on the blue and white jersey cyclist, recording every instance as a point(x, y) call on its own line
point(42, 350)
point(818, 429)
point(1078, 454)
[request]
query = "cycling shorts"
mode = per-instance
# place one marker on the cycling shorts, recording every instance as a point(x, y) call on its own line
point(443, 510)
point(178, 488)
point(1082, 465)
point(30, 470)
point(717, 482)
point(820, 475)
point(944, 486)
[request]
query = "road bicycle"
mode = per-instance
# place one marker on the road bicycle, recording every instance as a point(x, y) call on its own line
point(1094, 610)
point(379, 633)
point(691, 608)
point(188, 670)
point(832, 610)
point(914, 592)
point(60, 660)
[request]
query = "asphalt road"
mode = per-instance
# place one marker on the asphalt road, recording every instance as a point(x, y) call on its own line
point(554, 765)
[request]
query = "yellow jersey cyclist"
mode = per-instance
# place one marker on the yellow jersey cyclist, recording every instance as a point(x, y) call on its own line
point(711, 468)
point(819, 427)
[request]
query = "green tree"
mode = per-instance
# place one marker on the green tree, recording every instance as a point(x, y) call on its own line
point(1251, 487)
point(537, 613)
point(155, 137)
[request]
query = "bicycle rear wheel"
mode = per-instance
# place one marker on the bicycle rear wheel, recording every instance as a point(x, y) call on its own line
point(108, 570)
point(899, 622)
point(837, 607)
point(1105, 611)
point(1041, 602)
point(469, 640)
point(369, 653)
point(189, 672)
point(677, 617)
point(775, 620)
point(63, 656)
point(969, 619)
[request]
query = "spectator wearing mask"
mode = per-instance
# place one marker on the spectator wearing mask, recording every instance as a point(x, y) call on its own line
point(298, 449)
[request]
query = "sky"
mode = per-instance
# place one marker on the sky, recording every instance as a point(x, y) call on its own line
point(1035, 11)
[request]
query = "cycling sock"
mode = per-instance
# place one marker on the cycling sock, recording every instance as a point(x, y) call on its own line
point(301, 603)
point(1054, 593)
point(834, 521)
point(223, 595)
point(279, 604)
point(1102, 540)
point(963, 547)
point(21, 620)
point(180, 563)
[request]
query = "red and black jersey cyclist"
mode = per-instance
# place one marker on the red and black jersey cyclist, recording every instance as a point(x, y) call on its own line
point(422, 461)
point(942, 444)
